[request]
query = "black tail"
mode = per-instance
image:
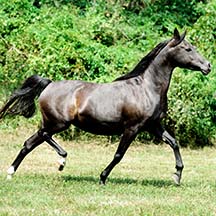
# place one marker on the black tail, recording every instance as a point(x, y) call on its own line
point(22, 101)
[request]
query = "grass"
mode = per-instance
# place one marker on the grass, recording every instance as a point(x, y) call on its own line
point(140, 185)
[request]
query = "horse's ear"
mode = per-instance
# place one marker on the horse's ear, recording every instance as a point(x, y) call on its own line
point(177, 38)
point(176, 34)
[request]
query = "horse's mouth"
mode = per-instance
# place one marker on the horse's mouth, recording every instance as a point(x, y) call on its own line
point(206, 72)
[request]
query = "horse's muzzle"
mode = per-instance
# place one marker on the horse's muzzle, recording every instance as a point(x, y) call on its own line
point(207, 70)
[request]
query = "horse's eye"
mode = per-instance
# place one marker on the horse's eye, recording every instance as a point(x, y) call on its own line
point(188, 49)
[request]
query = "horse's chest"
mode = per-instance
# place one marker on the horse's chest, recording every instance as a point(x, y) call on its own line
point(160, 109)
point(138, 110)
point(153, 107)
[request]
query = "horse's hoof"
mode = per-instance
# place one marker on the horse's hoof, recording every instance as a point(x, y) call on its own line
point(102, 183)
point(102, 180)
point(61, 167)
point(176, 179)
point(62, 163)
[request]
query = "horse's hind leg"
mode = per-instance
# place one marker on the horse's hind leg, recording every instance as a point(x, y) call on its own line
point(48, 138)
point(28, 146)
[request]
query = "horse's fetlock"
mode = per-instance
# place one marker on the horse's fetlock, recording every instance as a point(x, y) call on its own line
point(64, 154)
point(175, 145)
point(103, 174)
point(179, 168)
point(118, 157)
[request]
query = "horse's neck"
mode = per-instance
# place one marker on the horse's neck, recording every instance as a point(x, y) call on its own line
point(159, 73)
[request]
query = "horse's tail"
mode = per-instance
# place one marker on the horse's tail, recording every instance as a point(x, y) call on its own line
point(22, 101)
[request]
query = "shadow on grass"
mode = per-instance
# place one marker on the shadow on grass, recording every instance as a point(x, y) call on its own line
point(146, 182)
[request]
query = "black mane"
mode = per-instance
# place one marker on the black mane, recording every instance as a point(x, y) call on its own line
point(144, 63)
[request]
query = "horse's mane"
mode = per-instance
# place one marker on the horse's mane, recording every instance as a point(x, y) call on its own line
point(144, 63)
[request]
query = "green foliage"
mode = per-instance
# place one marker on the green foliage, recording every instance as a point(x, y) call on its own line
point(100, 40)
point(192, 109)
point(183, 13)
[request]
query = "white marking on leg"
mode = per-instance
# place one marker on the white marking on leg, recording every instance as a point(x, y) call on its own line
point(62, 162)
point(10, 172)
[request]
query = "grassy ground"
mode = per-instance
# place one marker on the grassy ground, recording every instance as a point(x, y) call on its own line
point(140, 185)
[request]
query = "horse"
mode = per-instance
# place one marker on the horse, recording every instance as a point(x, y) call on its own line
point(132, 103)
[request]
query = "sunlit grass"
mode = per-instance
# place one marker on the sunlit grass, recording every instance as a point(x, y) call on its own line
point(140, 185)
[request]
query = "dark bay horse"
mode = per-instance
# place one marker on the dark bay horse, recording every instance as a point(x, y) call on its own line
point(132, 103)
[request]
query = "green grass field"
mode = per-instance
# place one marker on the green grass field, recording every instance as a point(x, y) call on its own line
point(140, 185)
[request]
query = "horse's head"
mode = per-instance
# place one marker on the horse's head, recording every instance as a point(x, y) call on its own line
point(184, 55)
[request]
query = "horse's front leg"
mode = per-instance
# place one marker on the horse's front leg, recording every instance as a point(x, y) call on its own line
point(167, 138)
point(126, 139)
point(179, 163)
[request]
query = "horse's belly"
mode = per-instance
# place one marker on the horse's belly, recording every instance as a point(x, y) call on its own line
point(100, 128)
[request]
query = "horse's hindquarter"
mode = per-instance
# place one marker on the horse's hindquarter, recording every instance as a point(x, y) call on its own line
point(58, 98)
